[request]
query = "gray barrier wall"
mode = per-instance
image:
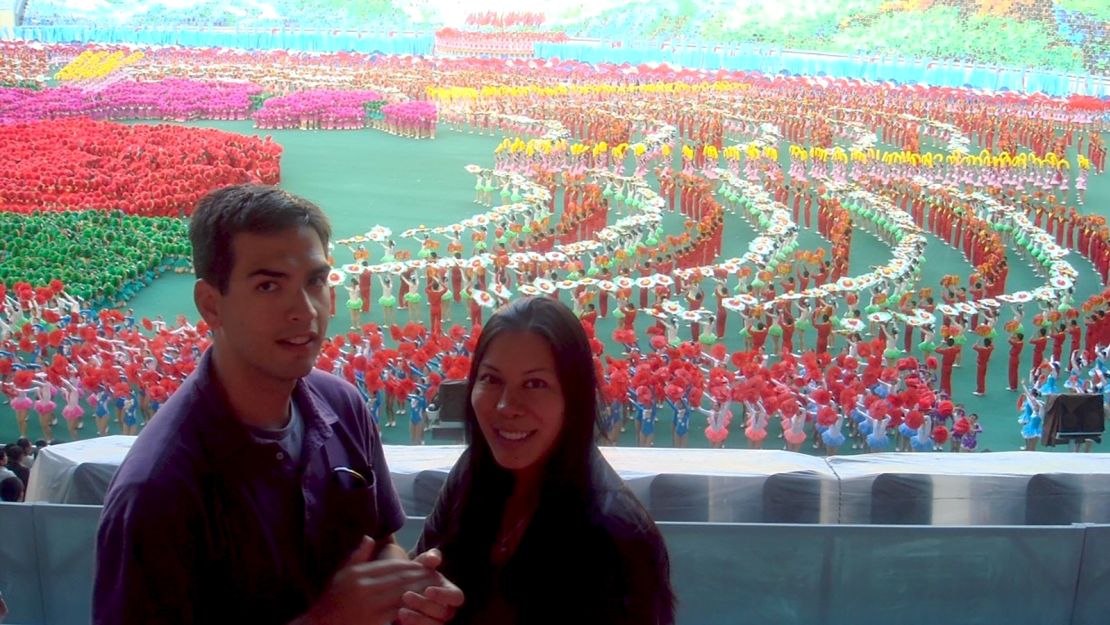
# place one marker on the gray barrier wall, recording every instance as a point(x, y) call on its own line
point(722, 573)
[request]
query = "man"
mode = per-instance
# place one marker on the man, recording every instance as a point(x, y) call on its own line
point(824, 330)
point(435, 292)
point(260, 494)
point(365, 285)
point(949, 353)
point(1017, 343)
point(5, 472)
point(982, 358)
point(1040, 343)
point(11, 489)
point(29, 451)
point(15, 463)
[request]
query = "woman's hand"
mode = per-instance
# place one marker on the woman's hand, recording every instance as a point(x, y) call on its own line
point(437, 604)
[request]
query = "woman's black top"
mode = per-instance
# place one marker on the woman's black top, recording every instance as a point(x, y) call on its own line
point(604, 563)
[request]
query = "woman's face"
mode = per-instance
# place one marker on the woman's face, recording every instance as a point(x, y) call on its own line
point(518, 400)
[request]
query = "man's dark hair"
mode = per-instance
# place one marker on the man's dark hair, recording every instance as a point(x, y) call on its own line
point(15, 453)
point(11, 490)
point(250, 208)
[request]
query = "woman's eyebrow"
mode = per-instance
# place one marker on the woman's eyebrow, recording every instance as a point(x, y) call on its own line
point(486, 365)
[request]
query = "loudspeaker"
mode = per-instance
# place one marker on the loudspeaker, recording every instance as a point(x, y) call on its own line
point(902, 499)
point(1073, 416)
point(425, 491)
point(793, 497)
point(679, 498)
point(451, 400)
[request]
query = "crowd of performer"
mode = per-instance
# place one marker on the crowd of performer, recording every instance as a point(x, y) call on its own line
point(843, 390)
point(584, 222)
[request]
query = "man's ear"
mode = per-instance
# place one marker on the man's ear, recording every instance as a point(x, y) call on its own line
point(207, 299)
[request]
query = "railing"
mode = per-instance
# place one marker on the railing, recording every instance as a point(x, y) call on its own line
point(722, 573)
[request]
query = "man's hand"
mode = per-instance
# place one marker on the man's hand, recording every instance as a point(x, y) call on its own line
point(369, 592)
point(438, 603)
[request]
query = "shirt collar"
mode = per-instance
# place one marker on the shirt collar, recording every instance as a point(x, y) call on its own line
point(225, 436)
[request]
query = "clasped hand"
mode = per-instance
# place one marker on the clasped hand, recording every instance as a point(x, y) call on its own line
point(367, 591)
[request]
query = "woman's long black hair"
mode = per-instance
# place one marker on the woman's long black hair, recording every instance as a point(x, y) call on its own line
point(568, 462)
point(574, 479)
point(481, 486)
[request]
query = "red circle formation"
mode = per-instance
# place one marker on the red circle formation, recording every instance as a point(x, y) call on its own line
point(161, 170)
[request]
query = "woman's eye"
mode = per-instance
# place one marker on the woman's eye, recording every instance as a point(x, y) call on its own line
point(487, 378)
point(535, 383)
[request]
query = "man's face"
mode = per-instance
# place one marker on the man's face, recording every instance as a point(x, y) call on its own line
point(272, 319)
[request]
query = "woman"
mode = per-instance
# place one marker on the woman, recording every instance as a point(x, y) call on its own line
point(534, 525)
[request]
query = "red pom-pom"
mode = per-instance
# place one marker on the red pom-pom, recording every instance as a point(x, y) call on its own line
point(624, 336)
point(720, 392)
point(926, 401)
point(945, 408)
point(826, 416)
point(821, 396)
point(597, 346)
point(914, 419)
point(962, 426)
point(673, 392)
point(718, 352)
point(940, 434)
point(658, 342)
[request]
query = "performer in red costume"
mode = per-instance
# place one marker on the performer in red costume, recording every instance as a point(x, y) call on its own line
point(983, 355)
point(1017, 343)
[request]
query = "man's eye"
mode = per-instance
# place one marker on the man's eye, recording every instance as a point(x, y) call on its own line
point(267, 287)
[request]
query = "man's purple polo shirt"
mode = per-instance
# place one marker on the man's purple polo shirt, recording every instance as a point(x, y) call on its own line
point(204, 524)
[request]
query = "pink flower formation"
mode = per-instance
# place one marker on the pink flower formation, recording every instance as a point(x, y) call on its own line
point(170, 99)
point(415, 113)
point(317, 108)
